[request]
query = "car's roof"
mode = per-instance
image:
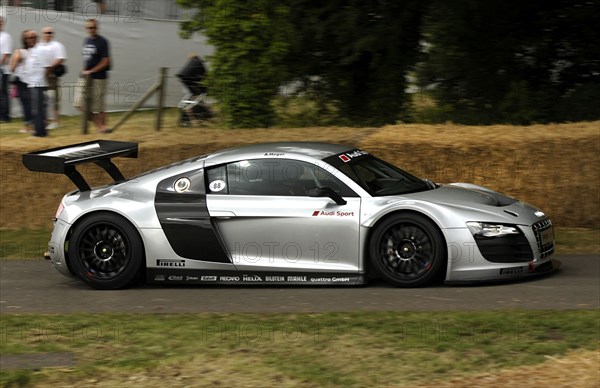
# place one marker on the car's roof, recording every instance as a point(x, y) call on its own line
point(312, 149)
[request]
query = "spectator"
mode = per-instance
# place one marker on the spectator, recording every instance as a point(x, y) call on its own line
point(37, 66)
point(5, 51)
point(96, 64)
point(101, 6)
point(18, 64)
point(57, 52)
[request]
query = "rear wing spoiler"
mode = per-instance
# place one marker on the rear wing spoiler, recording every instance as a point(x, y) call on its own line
point(62, 160)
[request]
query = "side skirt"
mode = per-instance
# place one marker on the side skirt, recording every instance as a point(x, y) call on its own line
point(194, 276)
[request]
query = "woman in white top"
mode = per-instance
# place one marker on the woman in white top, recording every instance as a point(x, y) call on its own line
point(18, 68)
point(37, 65)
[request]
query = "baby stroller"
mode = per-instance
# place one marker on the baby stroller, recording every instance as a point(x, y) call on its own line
point(192, 106)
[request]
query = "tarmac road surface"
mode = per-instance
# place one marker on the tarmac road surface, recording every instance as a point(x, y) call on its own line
point(33, 286)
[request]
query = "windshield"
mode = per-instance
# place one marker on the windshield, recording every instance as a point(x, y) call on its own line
point(380, 178)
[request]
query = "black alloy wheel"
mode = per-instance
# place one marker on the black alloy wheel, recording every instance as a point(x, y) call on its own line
point(408, 250)
point(106, 251)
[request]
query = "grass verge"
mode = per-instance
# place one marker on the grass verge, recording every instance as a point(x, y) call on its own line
point(333, 349)
point(24, 244)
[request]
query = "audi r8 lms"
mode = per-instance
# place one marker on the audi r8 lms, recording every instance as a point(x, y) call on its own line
point(284, 213)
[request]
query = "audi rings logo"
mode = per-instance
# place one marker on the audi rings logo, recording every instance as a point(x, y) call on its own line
point(182, 185)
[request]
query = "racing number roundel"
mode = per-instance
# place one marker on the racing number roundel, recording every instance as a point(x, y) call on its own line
point(216, 186)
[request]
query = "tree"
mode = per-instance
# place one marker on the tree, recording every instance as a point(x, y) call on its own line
point(512, 61)
point(357, 54)
point(352, 54)
point(487, 61)
point(251, 38)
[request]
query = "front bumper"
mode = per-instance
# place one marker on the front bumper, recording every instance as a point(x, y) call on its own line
point(513, 273)
point(467, 263)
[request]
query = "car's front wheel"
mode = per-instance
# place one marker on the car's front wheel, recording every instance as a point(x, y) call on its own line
point(105, 251)
point(408, 250)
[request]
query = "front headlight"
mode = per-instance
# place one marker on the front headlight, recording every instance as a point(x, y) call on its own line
point(491, 230)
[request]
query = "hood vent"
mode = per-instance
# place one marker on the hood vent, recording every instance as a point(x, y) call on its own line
point(511, 213)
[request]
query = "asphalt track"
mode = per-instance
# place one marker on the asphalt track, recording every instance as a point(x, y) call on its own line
point(33, 286)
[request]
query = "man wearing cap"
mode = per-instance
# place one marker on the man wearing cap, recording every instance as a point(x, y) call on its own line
point(96, 64)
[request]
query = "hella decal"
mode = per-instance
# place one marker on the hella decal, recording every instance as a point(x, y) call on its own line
point(251, 278)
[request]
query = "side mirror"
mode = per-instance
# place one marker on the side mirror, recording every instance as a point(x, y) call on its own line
point(327, 192)
point(431, 184)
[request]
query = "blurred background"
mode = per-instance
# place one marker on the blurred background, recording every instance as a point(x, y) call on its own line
point(302, 63)
point(379, 62)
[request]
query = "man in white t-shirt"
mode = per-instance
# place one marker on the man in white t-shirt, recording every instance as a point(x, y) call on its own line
point(5, 51)
point(57, 52)
point(39, 63)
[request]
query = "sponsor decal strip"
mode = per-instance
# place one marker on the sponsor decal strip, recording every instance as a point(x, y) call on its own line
point(173, 276)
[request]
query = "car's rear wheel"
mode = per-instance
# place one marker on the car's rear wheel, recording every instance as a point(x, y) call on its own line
point(106, 252)
point(408, 250)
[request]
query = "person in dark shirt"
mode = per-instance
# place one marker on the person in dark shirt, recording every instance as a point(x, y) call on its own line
point(96, 64)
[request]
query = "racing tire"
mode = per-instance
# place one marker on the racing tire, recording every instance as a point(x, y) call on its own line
point(408, 250)
point(106, 252)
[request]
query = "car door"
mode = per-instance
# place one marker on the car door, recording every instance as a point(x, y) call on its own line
point(269, 222)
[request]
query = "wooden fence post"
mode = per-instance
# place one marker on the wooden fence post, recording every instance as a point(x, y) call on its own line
point(87, 102)
point(161, 97)
point(153, 89)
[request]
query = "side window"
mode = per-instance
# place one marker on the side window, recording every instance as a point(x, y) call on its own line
point(280, 177)
point(326, 179)
point(216, 179)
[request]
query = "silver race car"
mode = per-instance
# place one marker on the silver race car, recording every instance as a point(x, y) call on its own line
point(284, 213)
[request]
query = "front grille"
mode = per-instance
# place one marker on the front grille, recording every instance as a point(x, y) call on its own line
point(544, 228)
point(505, 249)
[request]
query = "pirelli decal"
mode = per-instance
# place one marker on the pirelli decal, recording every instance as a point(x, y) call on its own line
point(512, 271)
point(170, 263)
